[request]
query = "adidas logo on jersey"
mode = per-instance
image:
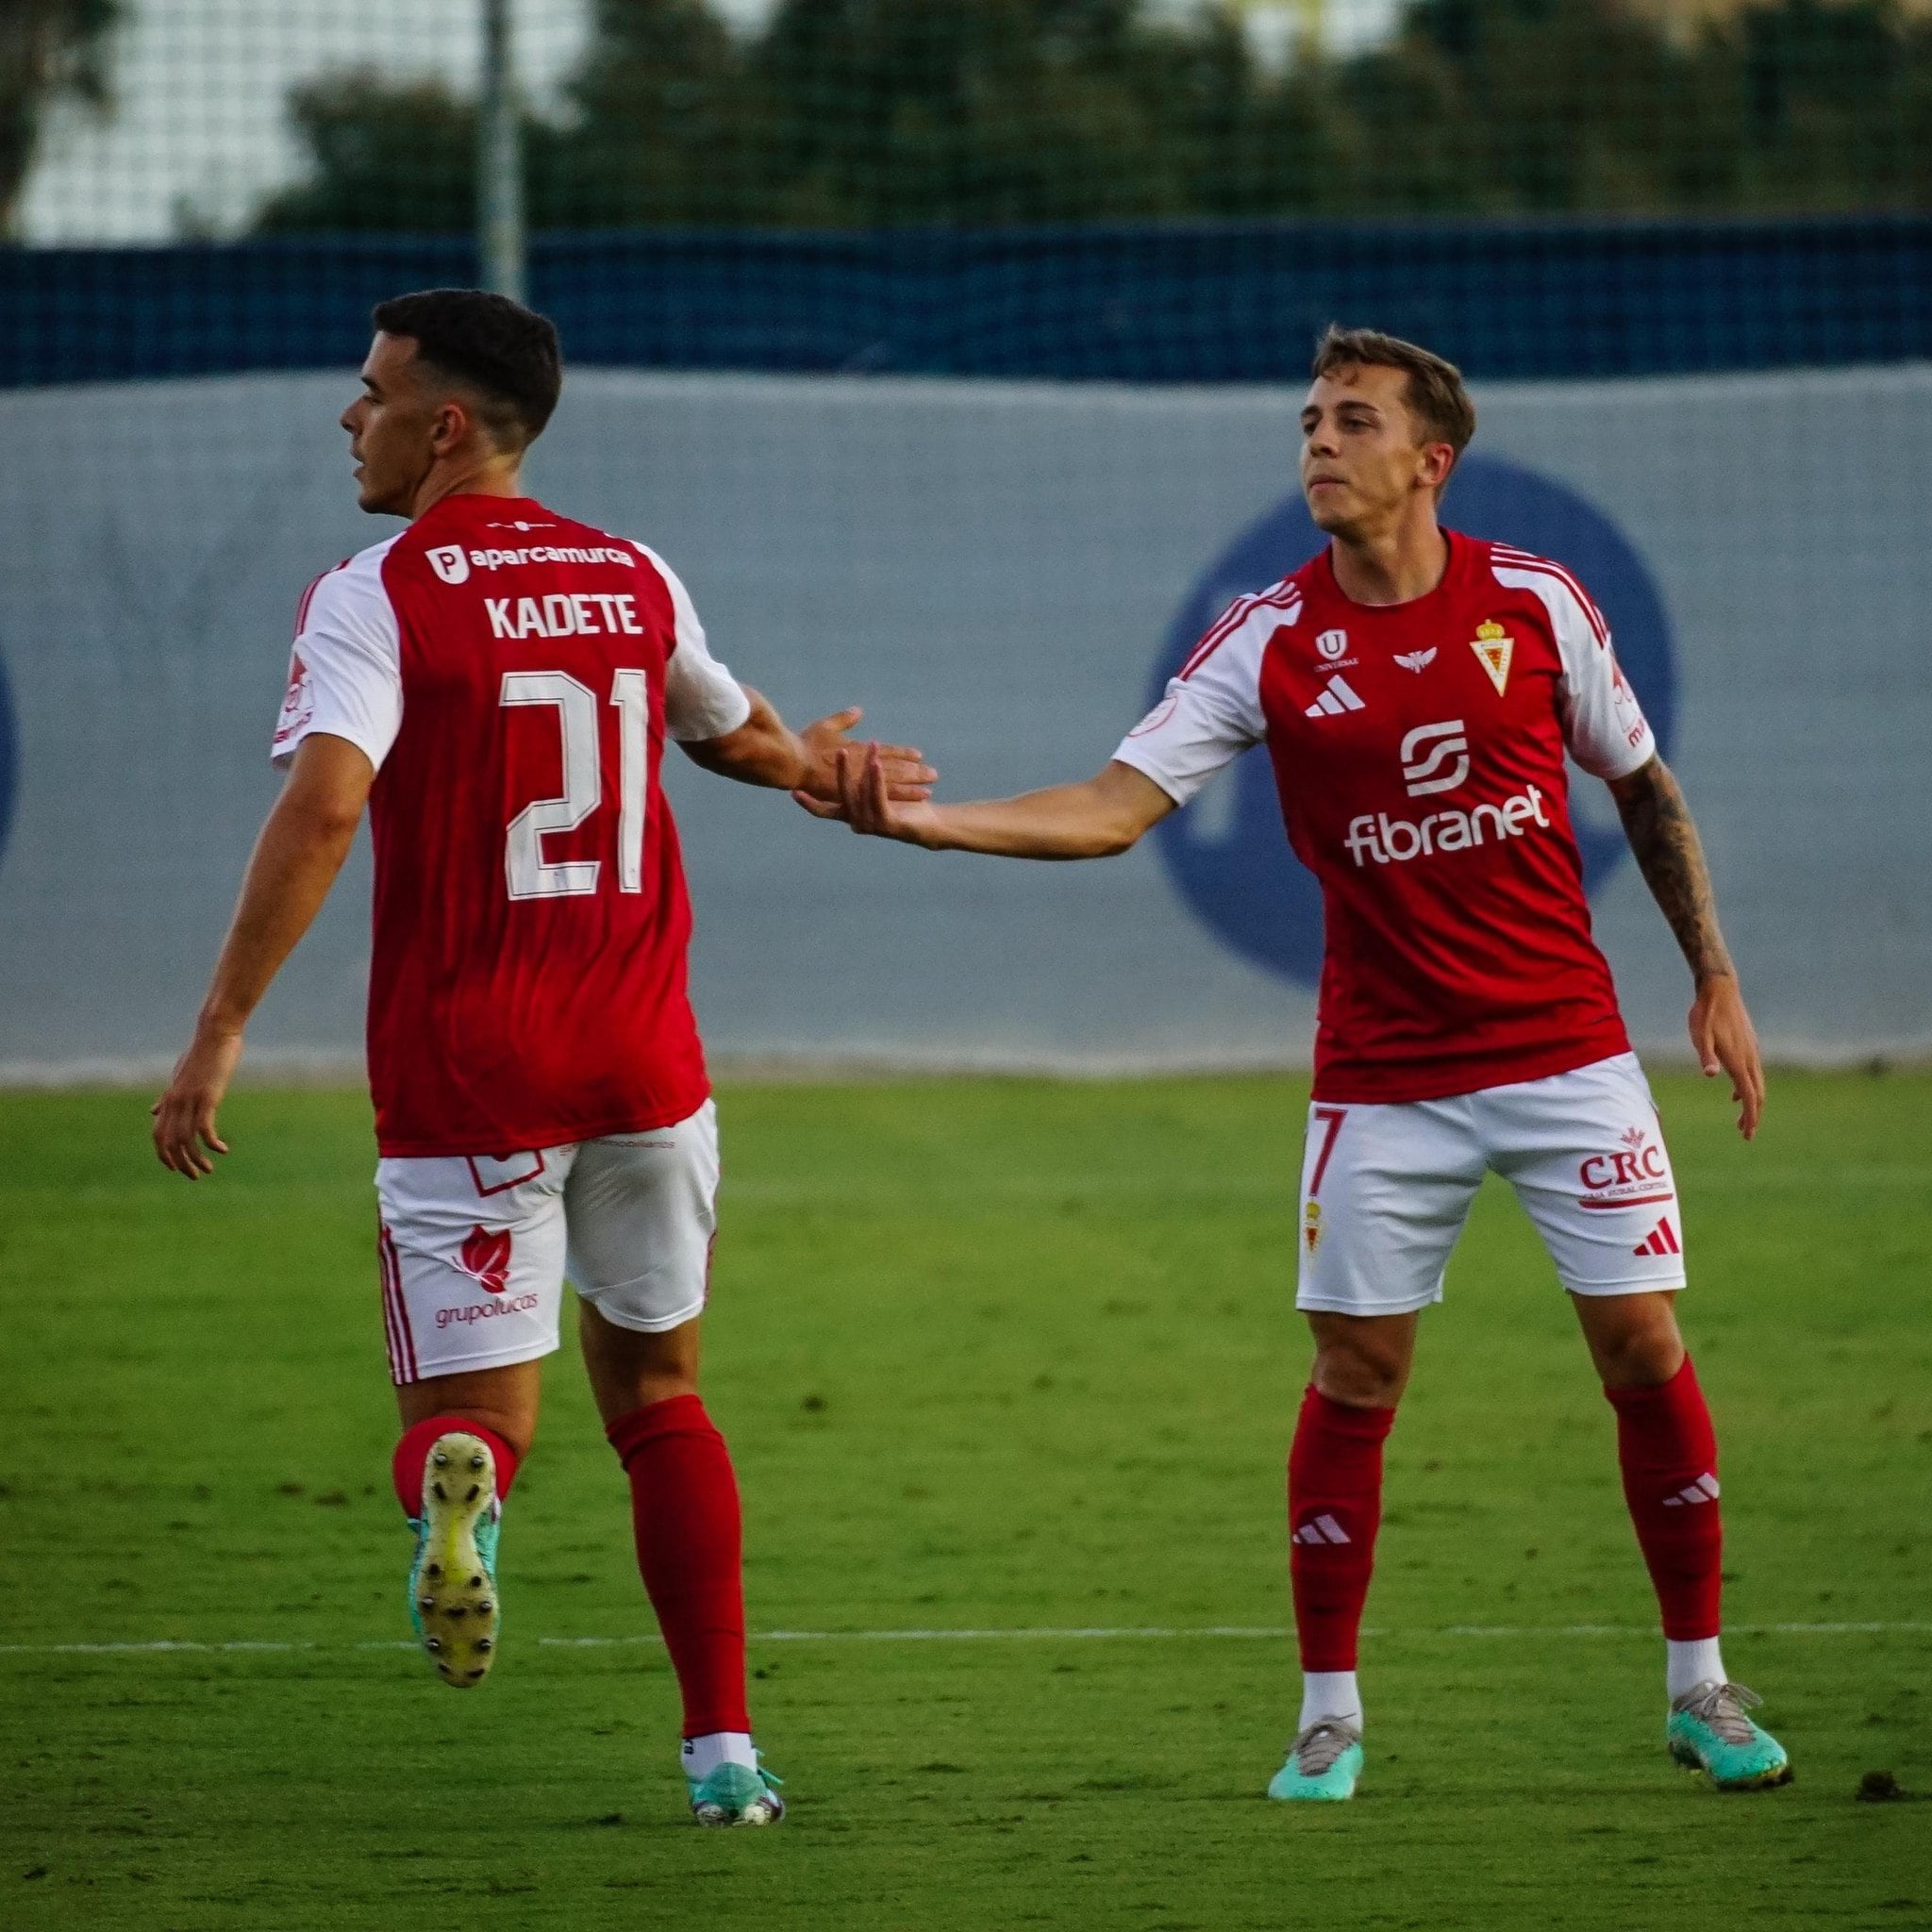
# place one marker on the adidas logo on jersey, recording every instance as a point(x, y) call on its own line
point(1337, 697)
point(1704, 1489)
point(1663, 1239)
point(1323, 1529)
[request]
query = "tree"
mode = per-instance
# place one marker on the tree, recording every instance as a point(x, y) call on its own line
point(884, 113)
point(50, 50)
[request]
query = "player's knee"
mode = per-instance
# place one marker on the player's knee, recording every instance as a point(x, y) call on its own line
point(1645, 1361)
point(1360, 1373)
point(1633, 1339)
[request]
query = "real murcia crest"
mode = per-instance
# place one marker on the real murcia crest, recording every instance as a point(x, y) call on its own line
point(1417, 660)
point(1494, 647)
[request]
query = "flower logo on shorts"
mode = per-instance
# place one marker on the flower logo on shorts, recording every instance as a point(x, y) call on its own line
point(485, 1257)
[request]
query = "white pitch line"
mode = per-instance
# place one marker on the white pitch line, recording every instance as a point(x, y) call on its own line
point(167, 1645)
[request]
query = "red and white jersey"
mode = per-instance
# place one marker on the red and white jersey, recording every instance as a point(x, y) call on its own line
point(1418, 755)
point(511, 676)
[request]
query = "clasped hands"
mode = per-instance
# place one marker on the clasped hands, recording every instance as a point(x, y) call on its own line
point(883, 789)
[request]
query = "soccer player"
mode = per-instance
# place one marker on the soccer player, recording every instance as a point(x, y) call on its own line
point(496, 682)
point(1417, 691)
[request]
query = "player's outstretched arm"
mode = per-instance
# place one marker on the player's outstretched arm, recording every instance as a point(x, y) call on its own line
point(764, 750)
point(302, 847)
point(1094, 818)
point(1671, 856)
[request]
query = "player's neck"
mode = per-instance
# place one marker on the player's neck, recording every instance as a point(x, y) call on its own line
point(1394, 566)
point(491, 476)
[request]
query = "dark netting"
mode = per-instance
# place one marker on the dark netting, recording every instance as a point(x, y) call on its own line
point(1058, 188)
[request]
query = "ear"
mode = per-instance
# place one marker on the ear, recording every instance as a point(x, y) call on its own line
point(451, 428)
point(1434, 464)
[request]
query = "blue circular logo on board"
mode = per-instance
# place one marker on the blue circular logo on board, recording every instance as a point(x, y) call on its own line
point(1234, 868)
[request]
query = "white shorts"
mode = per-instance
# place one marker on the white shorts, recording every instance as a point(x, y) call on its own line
point(1386, 1188)
point(474, 1251)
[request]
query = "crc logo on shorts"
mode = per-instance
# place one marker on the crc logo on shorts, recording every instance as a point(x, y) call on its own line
point(451, 562)
point(1631, 1176)
point(484, 1258)
point(1427, 750)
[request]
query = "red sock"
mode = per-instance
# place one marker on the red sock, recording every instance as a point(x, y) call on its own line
point(406, 1466)
point(1669, 1456)
point(684, 1506)
point(1334, 1510)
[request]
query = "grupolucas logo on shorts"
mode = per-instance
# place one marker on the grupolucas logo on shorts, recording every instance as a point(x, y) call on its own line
point(485, 1257)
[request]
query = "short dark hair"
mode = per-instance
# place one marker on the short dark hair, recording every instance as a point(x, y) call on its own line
point(507, 354)
point(1435, 395)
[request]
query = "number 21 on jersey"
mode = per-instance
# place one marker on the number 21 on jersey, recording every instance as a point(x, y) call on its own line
point(529, 875)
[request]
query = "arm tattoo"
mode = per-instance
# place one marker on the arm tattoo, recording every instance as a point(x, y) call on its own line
point(1664, 840)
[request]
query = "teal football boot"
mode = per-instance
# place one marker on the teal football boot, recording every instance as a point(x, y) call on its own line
point(1322, 1763)
point(453, 1601)
point(1707, 1731)
point(735, 1795)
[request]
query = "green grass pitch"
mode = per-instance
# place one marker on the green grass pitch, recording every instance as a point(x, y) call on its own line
point(994, 1356)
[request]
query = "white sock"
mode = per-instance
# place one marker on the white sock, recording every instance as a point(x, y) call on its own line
point(1688, 1665)
point(1330, 1693)
point(702, 1755)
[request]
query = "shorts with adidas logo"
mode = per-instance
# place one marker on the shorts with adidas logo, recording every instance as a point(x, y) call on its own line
point(1386, 1188)
point(475, 1250)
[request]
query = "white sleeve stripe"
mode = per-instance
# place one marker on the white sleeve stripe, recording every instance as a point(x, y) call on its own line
point(1523, 560)
point(308, 595)
point(1282, 597)
point(684, 614)
point(1280, 594)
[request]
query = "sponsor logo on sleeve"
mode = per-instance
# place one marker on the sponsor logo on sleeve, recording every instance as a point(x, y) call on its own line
point(298, 703)
point(1629, 713)
point(1157, 717)
point(1494, 647)
point(451, 562)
